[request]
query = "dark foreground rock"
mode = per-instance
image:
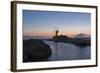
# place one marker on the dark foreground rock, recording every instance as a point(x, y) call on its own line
point(35, 50)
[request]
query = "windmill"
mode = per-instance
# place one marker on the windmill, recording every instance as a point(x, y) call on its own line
point(56, 32)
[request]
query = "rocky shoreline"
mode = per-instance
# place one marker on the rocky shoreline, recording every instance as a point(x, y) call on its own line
point(35, 50)
point(82, 42)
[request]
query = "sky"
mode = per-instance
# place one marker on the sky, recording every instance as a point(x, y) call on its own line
point(45, 23)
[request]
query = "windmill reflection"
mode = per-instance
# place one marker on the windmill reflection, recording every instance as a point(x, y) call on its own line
point(56, 44)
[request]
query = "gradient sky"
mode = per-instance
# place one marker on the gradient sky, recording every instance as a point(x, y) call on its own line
point(44, 23)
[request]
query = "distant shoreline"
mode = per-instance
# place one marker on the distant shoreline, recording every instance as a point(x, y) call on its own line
point(82, 42)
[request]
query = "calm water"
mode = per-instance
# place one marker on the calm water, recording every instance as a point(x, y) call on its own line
point(66, 51)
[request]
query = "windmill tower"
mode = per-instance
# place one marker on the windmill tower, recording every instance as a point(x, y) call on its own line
point(56, 33)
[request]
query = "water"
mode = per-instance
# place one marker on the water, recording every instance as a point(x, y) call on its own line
point(66, 51)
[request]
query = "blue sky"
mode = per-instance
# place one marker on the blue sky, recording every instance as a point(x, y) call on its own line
point(44, 23)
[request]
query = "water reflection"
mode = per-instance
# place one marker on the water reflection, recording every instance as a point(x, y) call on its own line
point(66, 51)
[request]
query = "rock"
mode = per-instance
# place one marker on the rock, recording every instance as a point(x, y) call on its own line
point(82, 42)
point(61, 38)
point(35, 50)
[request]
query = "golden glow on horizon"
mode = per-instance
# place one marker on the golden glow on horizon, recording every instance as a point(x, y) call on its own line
point(72, 34)
point(51, 34)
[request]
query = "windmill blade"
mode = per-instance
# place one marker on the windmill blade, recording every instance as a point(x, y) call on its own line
point(56, 28)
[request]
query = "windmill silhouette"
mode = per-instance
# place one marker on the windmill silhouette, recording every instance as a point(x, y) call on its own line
point(56, 34)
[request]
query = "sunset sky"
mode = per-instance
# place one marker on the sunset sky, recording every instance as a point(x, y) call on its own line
point(44, 23)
